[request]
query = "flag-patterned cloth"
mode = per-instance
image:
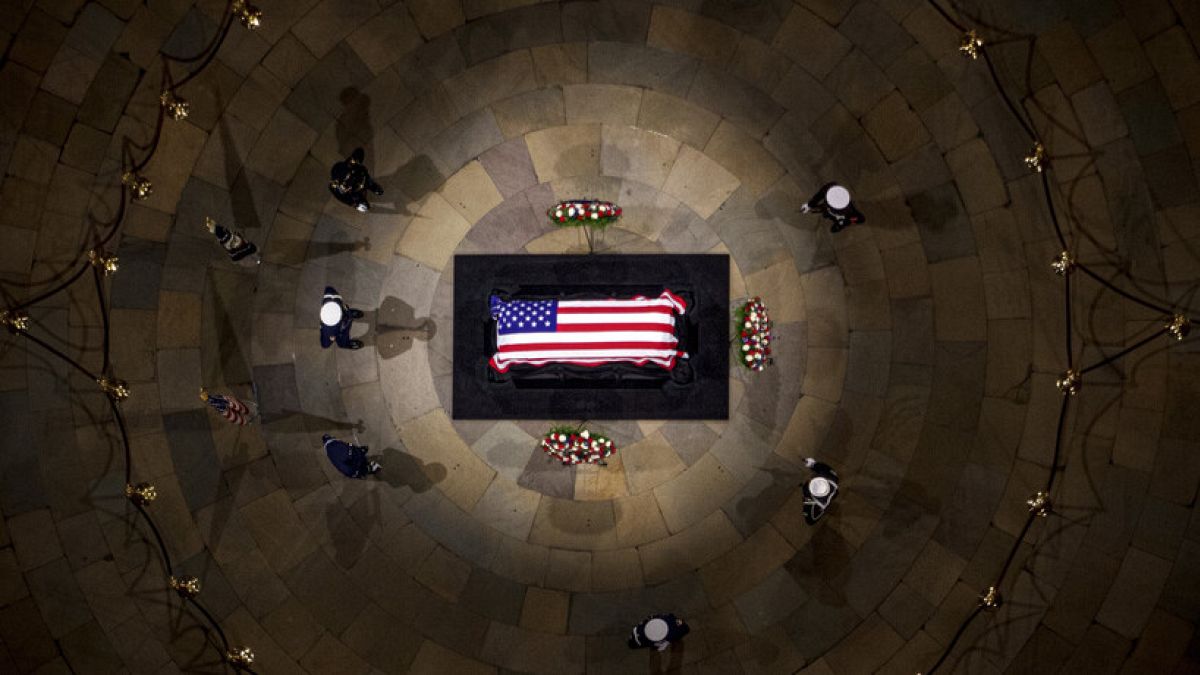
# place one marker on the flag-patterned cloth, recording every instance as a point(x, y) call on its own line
point(233, 410)
point(637, 330)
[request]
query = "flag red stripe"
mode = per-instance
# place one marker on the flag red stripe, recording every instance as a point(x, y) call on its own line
point(579, 346)
point(613, 310)
point(600, 327)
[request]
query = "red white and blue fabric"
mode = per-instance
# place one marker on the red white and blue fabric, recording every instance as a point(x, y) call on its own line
point(637, 330)
point(233, 410)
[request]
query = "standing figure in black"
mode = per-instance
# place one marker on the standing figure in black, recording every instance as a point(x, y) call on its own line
point(819, 490)
point(659, 631)
point(350, 180)
point(237, 246)
point(351, 460)
point(833, 202)
point(336, 319)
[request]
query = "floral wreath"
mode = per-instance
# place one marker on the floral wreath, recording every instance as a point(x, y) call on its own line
point(576, 445)
point(754, 326)
point(591, 212)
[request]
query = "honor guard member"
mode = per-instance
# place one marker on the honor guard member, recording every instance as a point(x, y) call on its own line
point(833, 202)
point(659, 631)
point(819, 490)
point(351, 460)
point(349, 181)
point(336, 319)
point(237, 246)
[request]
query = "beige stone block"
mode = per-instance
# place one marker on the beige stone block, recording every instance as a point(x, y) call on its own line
point(432, 658)
point(133, 343)
point(811, 42)
point(1137, 438)
point(34, 538)
point(595, 483)
point(690, 549)
point(894, 126)
point(745, 566)
point(530, 111)
point(744, 157)
point(382, 40)
point(855, 518)
point(169, 170)
point(491, 81)
point(559, 240)
point(695, 493)
point(281, 147)
point(616, 570)
point(825, 373)
point(288, 241)
point(825, 303)
point(958, 301)
point(977, 176)
point(907, 271)
point(681, 31)
point(433, 440)
point(644, 211)
point(700, 182)
point(780, 288)
point(574, 525)
point(807, 428)
point(433, 235)
point(602, 104)
point(651, 462)
point(1175, 59)
point(274, 524)
point(444, 573)
point(435, 17)
point(471, 192)
point(677, 118)
point(636, 154)
point(407, 382)
point(178, 319)
point(545, 610)
point(1007, 294)
point(565, 151)
point(522, 562)
point(507, 507)
point(1068, 57)
point(570, 570)
point(560, 64)
point(638, 520)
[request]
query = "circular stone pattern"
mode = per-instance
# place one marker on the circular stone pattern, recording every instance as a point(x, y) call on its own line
point(916, 353)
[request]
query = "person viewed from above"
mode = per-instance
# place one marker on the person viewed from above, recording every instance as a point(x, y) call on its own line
point(349, 459)
point(833, 202)
point(819, 490)
point(659, 631)
point(336, 319)
point(237, 246)
point(349, 181)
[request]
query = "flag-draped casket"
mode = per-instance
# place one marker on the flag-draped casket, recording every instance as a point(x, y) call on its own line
point(537, 332)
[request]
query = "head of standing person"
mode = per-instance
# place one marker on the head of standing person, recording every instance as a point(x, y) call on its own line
point(838, 197)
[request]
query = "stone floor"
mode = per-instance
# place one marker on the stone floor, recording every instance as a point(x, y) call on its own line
point(917, 353)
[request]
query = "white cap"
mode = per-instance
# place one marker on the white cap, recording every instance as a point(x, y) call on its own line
point(656, 630)
point(331, 314)
point(819, 487)
point(838, 197)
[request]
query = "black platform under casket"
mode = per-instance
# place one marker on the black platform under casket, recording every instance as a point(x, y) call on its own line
point(697, 388)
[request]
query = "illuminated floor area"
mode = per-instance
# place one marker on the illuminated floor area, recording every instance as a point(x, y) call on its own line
point(916, 353)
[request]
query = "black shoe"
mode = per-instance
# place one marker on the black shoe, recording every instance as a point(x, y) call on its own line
point(376, 189)
point(356, 314)
point(837, 227)
point(355, 344)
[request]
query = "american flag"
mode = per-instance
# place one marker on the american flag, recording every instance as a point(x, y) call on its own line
point(233, 410)
point(637, 330)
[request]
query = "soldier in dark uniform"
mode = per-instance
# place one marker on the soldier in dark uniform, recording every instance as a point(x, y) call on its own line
point(833, 202)
point(336, 319)
point(659, 631)
point(819, 490)
point(350, 180)
point(351, 460)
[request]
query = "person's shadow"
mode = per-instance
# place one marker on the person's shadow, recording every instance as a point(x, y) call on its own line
point(402, 470)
